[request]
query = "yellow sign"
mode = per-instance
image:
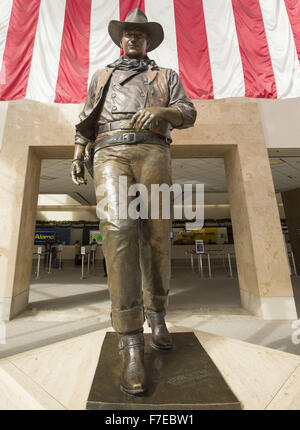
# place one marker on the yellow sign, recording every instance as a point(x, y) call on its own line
point(207, 234)
point(41, 236)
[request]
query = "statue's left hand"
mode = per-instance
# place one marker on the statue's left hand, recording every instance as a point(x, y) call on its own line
point(144, 117)
point(77, 172)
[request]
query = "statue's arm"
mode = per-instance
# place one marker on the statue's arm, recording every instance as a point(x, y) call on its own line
point(180, 112)
point(90, 98)
point(77, 167)
point(181, 101)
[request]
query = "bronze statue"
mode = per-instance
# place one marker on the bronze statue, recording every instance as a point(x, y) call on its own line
point(131, 106)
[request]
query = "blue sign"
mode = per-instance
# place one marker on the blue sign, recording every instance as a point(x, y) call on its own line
point(42, 235)
point(199, 246)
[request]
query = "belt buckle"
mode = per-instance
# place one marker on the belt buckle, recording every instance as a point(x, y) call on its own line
point(129, 137)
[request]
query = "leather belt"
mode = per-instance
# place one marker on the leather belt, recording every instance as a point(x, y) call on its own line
point(115, 139)
point(123, 124)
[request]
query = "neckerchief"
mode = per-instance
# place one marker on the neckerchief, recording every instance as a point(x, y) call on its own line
point(135, 64)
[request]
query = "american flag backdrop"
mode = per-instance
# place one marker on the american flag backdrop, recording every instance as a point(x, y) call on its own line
point(49, 49)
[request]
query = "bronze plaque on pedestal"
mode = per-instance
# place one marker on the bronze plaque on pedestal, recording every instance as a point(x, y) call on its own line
point(182, 378)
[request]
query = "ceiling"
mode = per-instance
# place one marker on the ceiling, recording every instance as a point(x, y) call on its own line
point(56, 179)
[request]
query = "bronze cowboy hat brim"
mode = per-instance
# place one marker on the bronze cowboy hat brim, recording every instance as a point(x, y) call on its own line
point(137, 19)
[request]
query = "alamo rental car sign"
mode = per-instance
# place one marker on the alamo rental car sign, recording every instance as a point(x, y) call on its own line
point(42, 236)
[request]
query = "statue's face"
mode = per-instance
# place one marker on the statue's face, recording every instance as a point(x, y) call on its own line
point(134, 43)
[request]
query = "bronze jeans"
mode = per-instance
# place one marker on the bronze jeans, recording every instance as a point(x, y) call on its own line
point(137, 251)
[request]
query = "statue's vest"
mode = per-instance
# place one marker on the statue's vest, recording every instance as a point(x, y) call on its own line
point(158, 95)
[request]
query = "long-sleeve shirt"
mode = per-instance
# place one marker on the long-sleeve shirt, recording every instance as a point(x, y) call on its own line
point(129, 91)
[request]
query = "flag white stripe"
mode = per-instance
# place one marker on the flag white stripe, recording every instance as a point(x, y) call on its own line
point(46, 54)
point(5, 12)
point(282, 48)
point(163, 13)
point(102, 49)
point(224, 52)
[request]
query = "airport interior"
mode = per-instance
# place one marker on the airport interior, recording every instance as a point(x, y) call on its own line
point(239, 289)
point(234, 282)
point(208, 287)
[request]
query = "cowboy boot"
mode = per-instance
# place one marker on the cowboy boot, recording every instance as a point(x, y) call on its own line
point(133, 378)
point(161, 338)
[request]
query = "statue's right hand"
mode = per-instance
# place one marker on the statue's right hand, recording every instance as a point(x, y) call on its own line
point(77, 172)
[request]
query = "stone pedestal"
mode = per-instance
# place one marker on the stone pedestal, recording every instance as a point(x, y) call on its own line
point(182, 378)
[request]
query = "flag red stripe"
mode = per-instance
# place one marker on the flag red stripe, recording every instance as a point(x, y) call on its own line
point(192, 48)
point(128, 5)
point(73, 73)
point(18, 50)
point(293, 10)
point(254, 49)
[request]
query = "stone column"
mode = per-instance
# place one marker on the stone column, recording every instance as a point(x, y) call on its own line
point(29, 131)
point(264, 277)
point(291, 204)
point(19, 178)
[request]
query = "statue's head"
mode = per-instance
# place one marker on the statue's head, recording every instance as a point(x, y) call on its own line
point(134, 42)
point(136, 35)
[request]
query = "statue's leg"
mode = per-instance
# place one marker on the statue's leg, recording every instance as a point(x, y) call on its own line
point(155, 259)
point(155, 245)
point(155, 263)
point(121, 251)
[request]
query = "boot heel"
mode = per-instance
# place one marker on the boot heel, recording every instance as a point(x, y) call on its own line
point(161, 338)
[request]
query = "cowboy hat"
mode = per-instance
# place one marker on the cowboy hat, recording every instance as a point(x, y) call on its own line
point(137, 19)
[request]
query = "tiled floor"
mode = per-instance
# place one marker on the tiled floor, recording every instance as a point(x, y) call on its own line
point(66, 311)
point(60, 375)
point(62, 305)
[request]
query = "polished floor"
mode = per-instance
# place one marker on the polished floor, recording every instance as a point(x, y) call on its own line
point(62, 305)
